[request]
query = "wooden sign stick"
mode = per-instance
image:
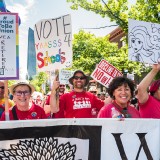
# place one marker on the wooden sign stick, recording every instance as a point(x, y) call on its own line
point(6, 100)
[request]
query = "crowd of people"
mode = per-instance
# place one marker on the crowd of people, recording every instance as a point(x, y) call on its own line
point(122, 100)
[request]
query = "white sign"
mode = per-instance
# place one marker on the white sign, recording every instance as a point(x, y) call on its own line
point(9, 47)
point(105, 72)
point(86, 139)
point(53, 43)
point(144, 41)
point(64, 76)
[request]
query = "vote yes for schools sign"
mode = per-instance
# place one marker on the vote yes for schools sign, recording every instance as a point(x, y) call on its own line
point(53, 43)
point(105, 72)
point(80, 139)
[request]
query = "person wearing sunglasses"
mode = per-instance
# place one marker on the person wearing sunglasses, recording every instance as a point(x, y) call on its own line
point(24, 109)
point(2, 99)
point(61, 91)
point(78, 103)
point(93, 90)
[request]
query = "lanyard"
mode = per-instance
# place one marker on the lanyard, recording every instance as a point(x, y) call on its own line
point(124, 111)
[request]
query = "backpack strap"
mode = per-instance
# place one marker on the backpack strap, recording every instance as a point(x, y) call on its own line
point(14, 113)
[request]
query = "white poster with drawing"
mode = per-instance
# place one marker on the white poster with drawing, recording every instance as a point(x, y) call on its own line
point(53, 43)
point(144, 41)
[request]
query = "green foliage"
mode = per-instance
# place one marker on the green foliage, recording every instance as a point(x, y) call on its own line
point(88, 53)
point(120, 10)
point(89, 50)
point(38, 80)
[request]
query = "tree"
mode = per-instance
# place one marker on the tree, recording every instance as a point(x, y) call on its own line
point(89, 50)
point(119, 11)
point(38, 80)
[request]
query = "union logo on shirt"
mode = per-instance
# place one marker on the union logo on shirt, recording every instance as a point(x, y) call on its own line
point(34, 114)
point(81, 104)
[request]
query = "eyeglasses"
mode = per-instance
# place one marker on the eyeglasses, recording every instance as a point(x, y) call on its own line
point(1, 87)
point(81, 78)
point(25, 93)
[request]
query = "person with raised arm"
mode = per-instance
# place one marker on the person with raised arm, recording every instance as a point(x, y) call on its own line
point(78, 103)
point(149, 100)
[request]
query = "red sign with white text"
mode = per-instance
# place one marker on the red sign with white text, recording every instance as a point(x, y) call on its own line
point(105, 72)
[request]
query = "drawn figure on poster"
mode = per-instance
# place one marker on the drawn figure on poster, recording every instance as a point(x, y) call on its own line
point(140, 45)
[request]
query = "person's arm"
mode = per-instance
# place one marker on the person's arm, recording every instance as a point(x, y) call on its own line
point(54, 98)
point(144, 84)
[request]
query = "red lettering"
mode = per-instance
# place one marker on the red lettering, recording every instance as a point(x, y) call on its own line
point(98, 74)
point(39, 55)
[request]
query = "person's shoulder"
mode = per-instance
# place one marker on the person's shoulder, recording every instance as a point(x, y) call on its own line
point(67, 94)
point(35, 106)
point(107, 106)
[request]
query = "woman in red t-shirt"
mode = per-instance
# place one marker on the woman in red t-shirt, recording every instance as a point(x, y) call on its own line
point(24, 108)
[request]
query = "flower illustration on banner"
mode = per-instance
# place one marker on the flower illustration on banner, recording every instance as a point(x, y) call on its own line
point(39, 149)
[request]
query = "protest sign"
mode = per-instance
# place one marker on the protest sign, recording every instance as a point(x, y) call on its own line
point(105, 72)
point(53, 43)
point(144, 41)
point(64, 76)
point(9, 47)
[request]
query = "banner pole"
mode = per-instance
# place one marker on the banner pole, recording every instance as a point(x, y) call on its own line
point(6, 100)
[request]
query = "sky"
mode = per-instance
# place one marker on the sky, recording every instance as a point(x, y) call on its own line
point(32, 11)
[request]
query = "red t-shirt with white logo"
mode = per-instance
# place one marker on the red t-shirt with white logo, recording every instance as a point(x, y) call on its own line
point(79, 105)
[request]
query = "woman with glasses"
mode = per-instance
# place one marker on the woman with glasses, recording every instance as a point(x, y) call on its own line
point(24, 109)
point(121, 90)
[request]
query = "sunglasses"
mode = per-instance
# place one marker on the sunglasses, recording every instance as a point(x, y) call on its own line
point(2, 87)
point(61, 85)
point(93, 91)
point(81, 78)
point(25, 93)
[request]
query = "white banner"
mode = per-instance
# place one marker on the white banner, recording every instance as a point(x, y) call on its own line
point(80, 139)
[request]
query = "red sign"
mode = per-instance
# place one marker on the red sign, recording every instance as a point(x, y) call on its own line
point(105, 72)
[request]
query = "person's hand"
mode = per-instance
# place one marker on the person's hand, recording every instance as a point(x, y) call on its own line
point(156, 66)
point(55, 84)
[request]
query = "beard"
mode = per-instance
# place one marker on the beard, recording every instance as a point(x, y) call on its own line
point(79, 85)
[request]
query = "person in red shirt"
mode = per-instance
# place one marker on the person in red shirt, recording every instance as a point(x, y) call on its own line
point(78, 103)
point(121, 90)
point(24, 109)
point(149, 102)
point(61, 91)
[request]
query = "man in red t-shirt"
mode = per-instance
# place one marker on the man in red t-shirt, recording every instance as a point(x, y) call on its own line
point(78, 103)
point(61, 91)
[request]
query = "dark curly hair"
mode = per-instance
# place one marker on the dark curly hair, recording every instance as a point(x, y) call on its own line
point(119, 81)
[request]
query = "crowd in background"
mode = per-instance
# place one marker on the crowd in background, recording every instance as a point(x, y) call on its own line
point(122, 99)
